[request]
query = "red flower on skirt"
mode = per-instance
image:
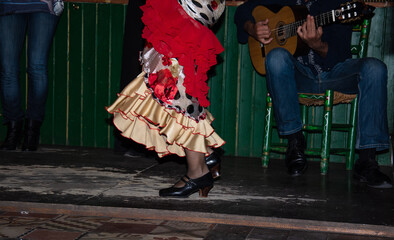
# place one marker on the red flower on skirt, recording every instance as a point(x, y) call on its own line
point(163, 85)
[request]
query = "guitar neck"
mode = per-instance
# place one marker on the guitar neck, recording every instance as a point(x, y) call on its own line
point(320, 20)
point(350, 11)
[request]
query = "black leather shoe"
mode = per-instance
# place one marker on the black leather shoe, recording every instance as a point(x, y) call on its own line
point(31, 135)
point(368, 172)
point(14, 135)
point(213, 162)
point(202, 184)
point(295, 159)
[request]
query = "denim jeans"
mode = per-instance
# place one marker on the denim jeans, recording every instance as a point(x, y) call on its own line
point(40, 28)
point(365, 76)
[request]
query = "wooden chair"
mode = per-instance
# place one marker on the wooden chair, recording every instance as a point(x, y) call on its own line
point(328, 99)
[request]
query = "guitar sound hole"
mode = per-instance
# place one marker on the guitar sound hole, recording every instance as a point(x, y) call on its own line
point(280, 33)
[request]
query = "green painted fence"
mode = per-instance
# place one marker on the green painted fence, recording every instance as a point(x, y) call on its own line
point(84, 72)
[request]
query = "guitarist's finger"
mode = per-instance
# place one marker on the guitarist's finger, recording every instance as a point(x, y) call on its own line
point(259, 27)
point(300, 33)
point(265, 22)
point(262, 30)
point(319, 32)
point(260, 24)
point(303, 31)
point(266, 41)
point(310, 24)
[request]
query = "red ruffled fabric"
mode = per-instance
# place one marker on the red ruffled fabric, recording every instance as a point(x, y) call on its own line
point(175, 34)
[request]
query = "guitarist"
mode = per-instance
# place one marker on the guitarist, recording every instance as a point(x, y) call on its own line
point(327, 65)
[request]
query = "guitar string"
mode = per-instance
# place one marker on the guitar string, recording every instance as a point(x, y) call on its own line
point(291, 29)
point(320, 20)
point(327, 15)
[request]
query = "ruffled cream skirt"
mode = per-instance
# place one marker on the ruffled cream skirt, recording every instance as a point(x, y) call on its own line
point(139, 117)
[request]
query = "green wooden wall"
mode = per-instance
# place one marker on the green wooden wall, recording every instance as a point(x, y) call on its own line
point(84, 70)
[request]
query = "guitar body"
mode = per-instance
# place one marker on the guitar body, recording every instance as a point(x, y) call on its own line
point(285, 15)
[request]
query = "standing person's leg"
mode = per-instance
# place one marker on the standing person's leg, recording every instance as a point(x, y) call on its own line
point(41, 29)
point(368, 78)
point(133, 43)
point(12, 32)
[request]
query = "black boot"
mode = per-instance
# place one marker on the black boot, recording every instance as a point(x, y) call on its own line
point(14, 135)
point(32, 135)
point(295, 159)
point(367, 171)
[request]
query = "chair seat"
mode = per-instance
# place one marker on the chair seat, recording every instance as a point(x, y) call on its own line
point(317, 99)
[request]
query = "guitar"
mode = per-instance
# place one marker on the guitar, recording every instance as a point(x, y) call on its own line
point(285, 22)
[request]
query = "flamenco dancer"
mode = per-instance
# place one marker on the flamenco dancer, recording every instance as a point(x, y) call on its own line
point(164, 108)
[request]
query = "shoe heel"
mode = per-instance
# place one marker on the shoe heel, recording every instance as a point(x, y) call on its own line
point(204, 191)
point(215, 171)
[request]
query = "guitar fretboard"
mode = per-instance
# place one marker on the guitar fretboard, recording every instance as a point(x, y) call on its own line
point(290, 30)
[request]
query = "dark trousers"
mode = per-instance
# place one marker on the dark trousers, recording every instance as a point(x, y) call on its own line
point(40, 28)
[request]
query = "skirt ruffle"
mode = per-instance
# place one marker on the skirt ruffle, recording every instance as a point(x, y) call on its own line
point(139, 117)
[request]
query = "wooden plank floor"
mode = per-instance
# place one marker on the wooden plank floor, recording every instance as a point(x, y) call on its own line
point(247, 202)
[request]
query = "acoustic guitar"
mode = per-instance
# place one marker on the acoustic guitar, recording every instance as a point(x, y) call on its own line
point(285, 22)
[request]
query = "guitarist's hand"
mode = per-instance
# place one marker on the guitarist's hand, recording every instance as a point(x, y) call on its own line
point(259, 30)
point(312, 36)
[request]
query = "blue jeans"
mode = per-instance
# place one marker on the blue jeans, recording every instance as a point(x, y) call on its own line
point(40, 28)
point(365, 76)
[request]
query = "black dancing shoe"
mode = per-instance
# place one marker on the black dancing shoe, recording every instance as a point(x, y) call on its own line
point(202, 184)
point(295, 159)
point(368, 172)
point(213, 162)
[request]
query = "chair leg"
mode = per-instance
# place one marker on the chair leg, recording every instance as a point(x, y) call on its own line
point(326, 136)
point(352, 135)
point(267, 132)
point(304, 119)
